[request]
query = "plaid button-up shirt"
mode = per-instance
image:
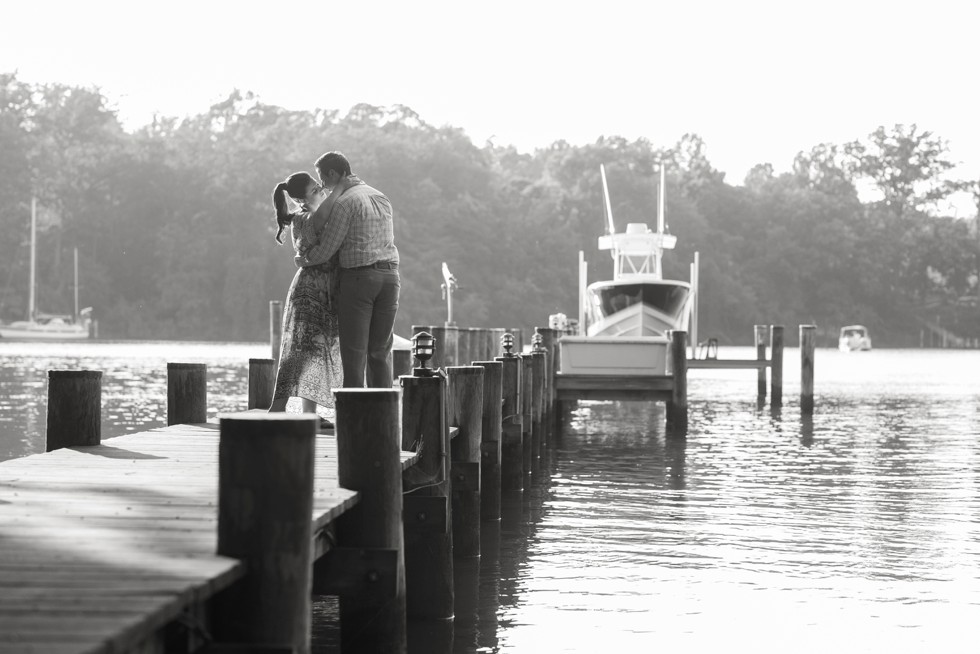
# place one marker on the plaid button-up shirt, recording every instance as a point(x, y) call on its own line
point(360, 228)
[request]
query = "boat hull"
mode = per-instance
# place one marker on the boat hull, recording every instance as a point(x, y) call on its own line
point(34, 332)
point(638, 308)
point(594, 355)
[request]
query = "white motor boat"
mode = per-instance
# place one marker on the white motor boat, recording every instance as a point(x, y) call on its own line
point(625, 322)
point(854, 338)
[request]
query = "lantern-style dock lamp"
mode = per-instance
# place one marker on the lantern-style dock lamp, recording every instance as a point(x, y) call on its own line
point(507, 343)
point(423, 345)
point(537, 343)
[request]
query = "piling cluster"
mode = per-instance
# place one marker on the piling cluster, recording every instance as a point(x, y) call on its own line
point(478, 413)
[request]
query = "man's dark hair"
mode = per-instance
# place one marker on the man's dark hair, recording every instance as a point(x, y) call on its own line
point(335, 161)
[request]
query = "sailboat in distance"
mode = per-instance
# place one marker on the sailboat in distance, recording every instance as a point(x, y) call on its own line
point(47, 326)
point(625, 322)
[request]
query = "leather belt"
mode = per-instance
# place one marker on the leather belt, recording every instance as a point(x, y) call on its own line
point(378, 265)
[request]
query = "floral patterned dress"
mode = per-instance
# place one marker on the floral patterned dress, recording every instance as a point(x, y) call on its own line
point(309, 361)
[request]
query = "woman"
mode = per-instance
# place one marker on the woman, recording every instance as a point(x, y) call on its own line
point(309, 361)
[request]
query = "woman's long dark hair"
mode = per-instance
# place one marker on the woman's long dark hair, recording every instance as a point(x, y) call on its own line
point(295, 185)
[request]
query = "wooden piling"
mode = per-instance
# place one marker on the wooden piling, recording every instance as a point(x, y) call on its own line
point(539, 361)
point(446, 351)
point(261, 383)
point(465, 400)
point(369, 462)
point(549, 340)
point(427, 519)
point(275, 330)
point(518, 334)
point(527, 418)
point(511, 444)
point(265, 499)
point(401, 363)
point(677, 405)
point(74, 408)
point(776, 365)
point(494, 340)
point(187, 393)
point(464, 346)
point(808, 342)
point(481, 344)
point(760, 332)
point(491, 436)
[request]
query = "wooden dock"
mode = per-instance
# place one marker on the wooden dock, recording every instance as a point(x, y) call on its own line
point(103, 546)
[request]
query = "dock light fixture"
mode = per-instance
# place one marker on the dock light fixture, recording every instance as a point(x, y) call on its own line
point(423, 345)
point(537, 343)
point(507, 343)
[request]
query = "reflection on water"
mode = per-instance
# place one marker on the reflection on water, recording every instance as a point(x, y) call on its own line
point(855, 529)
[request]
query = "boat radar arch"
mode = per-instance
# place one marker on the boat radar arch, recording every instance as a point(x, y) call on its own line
point(637, 251)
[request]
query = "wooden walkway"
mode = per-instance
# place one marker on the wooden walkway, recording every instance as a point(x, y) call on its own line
point(102, 546)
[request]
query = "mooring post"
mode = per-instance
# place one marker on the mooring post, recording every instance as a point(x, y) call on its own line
point(677, 406)
point(776, 366)
point(481, 349)
point(427, 519)
point(74, 408)
point(275, 330)
point(808, 342)
point(527, 418)
point(464, 347)
point(760, 332)
point(187, 393)
point(495, 342)
point(493, 391)
point(369, 462)
point(265, 505)
point(446, 346)
point(539, 361)
point(511, 447)
point(549, 341)
point(465, 399)
point(518, 335)
point(401, 363)
point(261, 383)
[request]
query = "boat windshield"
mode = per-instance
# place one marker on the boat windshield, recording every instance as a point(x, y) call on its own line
point(664, 297)
point(851, 332)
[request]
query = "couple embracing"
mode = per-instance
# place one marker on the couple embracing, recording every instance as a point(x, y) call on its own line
point(339, 317)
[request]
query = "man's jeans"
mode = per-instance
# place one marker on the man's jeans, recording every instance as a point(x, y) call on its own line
point(368, 302)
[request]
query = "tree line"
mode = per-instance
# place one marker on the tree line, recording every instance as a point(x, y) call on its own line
point(174, 224)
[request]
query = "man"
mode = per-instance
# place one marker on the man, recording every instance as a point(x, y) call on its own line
point(359, 228)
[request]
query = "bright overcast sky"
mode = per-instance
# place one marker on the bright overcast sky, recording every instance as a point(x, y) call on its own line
point(759, 81)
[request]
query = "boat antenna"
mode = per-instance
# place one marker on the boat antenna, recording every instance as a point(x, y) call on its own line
point(605, 194)
point(661, 216)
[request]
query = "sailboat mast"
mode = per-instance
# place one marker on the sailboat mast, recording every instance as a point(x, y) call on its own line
point(76, 284)
point(660, 202)
point(32, 296)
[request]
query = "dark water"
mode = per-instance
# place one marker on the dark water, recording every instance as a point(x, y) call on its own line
point(856, 530)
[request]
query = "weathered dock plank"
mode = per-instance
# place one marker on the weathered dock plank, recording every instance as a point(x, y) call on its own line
point(102, 546)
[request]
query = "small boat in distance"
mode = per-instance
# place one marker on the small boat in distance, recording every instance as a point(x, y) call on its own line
point(854, 338)
point(48, 326)
point(624, 323)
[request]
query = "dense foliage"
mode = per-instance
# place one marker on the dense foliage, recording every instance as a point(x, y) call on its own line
point(174, 222)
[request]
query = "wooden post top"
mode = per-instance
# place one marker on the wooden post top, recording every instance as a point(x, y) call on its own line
point(77, 374)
